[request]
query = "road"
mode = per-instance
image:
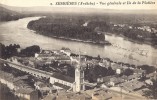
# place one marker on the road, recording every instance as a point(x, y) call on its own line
point(127, 94)
point(28, 69)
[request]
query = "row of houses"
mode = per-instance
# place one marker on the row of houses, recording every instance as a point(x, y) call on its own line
point(57, 80)
point(60, 81)
point(20, 87)
point(115, 80)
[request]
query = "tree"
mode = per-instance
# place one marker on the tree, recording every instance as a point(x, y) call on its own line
point(128, 72)
point(147, 68)
point(98, 57)
point(30, 51)
point(110, 71)
point(8, 51)
point(152, 92)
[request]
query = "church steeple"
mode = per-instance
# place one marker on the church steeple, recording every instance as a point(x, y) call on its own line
point(79, 76)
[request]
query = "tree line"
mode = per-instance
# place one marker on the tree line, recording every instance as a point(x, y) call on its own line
point(15, 50)
point(66, 28)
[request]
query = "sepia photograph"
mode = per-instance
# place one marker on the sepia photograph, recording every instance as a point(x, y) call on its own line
point(78, 50)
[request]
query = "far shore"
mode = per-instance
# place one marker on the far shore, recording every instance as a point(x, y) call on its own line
point(132, 40)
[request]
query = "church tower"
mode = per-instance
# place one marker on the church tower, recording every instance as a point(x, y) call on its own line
point(79, 77)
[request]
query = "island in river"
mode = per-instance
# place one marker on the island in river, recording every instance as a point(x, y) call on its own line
point(92, 29)
point(68, 28)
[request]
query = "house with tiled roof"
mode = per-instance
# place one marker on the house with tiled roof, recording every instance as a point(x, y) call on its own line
point(60, 81)
point(27, 93)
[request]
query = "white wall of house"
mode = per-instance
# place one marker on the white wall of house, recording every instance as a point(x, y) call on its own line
point(112, 83)
point(53, 80)
point(118, 71)
point(9, 84)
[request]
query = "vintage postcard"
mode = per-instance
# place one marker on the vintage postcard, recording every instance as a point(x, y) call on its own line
point(78, 49)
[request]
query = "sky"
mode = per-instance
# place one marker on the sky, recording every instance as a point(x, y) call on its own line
point(104, 3)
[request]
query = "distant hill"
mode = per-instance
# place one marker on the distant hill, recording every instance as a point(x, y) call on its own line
point(49, 9)
point(7, 15)
point(112, 15)
point(6, 11)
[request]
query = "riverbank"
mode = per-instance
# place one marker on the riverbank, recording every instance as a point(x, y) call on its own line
point(25, 37)
point(139, 42)
point(72, 39)
point(132, 40)
point(78, 40)
point(67, 30)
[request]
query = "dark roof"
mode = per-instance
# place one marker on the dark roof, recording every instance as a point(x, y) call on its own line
point(62, 85)
point(63, 77)
point(116, 80)
point(25, 90)
point(106, 78)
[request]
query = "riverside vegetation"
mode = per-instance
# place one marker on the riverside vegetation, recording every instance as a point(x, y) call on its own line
point(92, 29)
point(69, 28)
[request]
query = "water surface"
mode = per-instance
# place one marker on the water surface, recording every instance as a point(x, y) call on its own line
point(120, 50)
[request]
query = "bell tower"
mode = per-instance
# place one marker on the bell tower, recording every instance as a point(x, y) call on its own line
point(79, 76)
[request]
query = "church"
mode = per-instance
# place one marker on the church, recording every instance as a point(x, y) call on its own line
point(60, 81)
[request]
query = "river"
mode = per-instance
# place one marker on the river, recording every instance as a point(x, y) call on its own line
point(121, 50)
